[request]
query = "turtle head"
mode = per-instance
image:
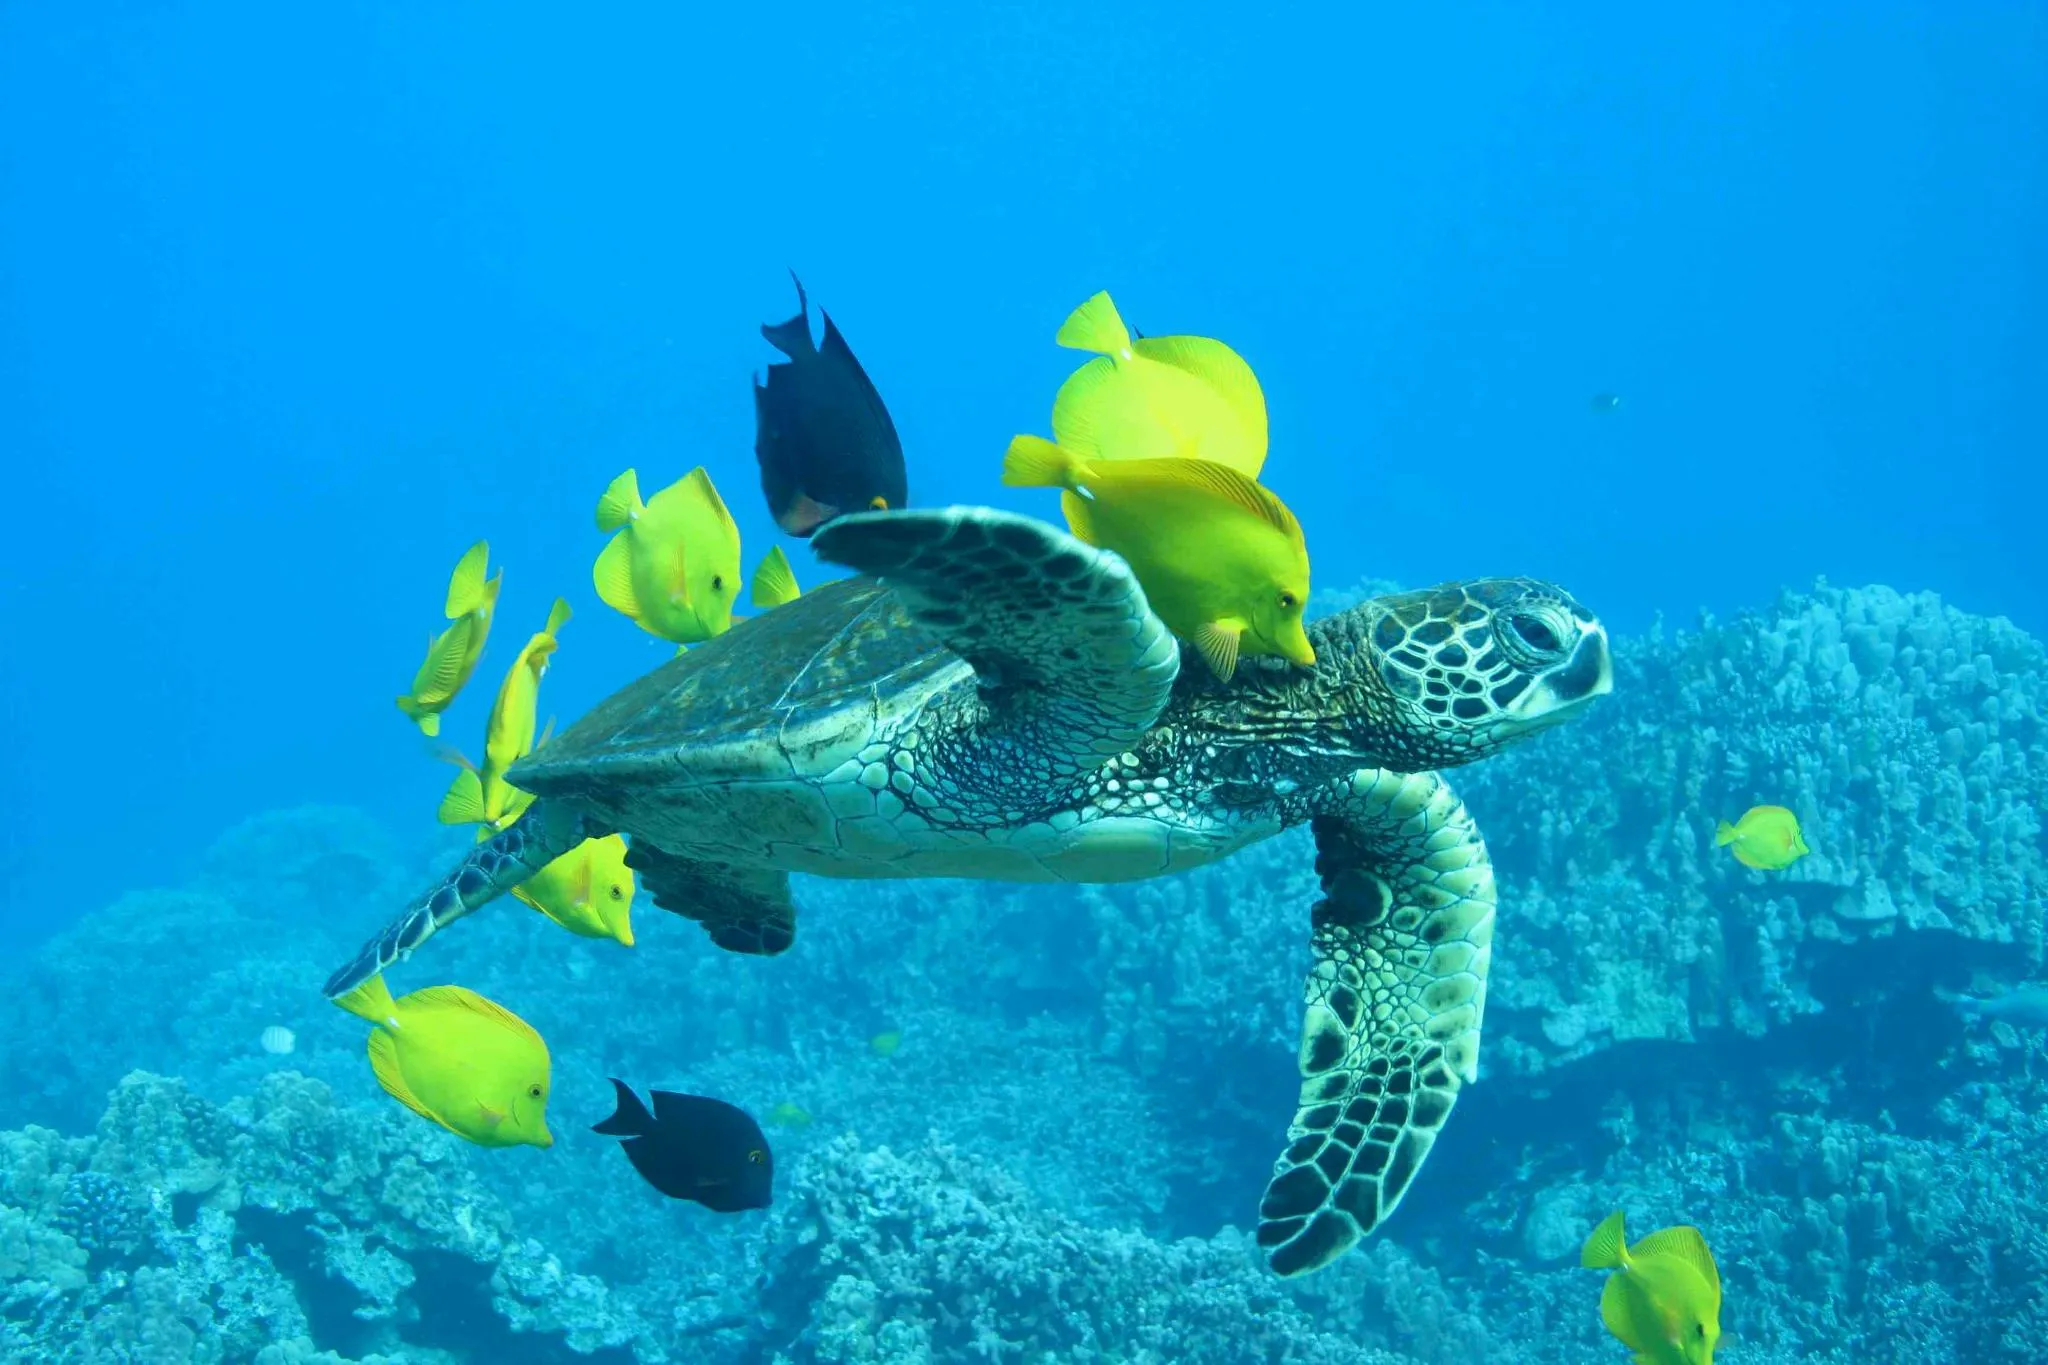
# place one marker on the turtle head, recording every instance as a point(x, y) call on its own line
point(1466, 668)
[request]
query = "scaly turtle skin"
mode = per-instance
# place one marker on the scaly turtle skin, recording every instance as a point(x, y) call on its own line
point(994, 699)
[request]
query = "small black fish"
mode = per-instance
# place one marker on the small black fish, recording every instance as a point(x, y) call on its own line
point(821, 432)
point(694, 1147)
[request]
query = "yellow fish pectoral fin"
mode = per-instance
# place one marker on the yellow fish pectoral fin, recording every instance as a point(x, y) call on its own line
point(1683, 1244)
point(1095, 326)
point(1217, 644)
point(491, 1117)
point(384, 1063)
point(612, 576)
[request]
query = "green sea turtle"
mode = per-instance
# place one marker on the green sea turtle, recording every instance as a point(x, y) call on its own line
point(992, 698)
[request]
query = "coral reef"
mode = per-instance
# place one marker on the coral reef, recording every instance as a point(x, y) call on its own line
point(1058, 1161)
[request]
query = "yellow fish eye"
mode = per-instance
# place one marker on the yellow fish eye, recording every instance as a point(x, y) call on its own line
point(1287, 601)
point(618, 892)
point(718, 582)
point(533, 1091)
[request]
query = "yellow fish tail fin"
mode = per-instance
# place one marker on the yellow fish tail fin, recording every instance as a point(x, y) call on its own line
point(1686, 1245)
point(384, 1062)
point(774, 580)
point(1607, 1247)
point(1096, 326)
point(1725, 834)
point(1217, 644)
point(1034, 462)
point(464, 803)
point(372, 1001)
point(613, 578)
point(466, 588)
point(558, 616)
point(620, 503)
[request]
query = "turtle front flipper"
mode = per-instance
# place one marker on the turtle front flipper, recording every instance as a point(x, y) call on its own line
point(744, 911)
point(489, 870)
point(1073, 664)
point(1390, 1029)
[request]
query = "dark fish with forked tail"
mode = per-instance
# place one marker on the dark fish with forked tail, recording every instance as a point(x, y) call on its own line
point(822, 434)
point(695, 1147)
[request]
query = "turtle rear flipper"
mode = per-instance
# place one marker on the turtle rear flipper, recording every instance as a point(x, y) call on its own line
point(744, 911)
point(1392, 1008)
point(1073, 664)
point(490, 869)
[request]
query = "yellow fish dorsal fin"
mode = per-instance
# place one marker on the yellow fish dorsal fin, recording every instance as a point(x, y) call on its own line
point(1226, 483)
point(1684, 1244)
point(464, 802)
point(384, 1063)
point(466, 584)
point(463, 998)
point(1607, 1246)
point(1095, 326)
point(698, 481)
point(1226, 372)
point(774, 580)
point(621, 503)
point(613, 578)
point(1217, 643)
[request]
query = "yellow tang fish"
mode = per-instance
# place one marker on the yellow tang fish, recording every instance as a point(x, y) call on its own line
point(481, 796)
point(885, 1044)
point(774, 580)
point(789, 1115)
point(1220, 558)
point(452, 655)
point(673, 567)
point(1664, 1298)
point(588, 890)
point(467, 1063)
point(1155, 397)
point(1766, 838)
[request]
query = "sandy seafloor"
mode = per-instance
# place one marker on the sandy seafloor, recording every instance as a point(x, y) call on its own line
point(1063, 1159)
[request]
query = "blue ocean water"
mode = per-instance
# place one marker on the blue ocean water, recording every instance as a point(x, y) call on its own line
point(297, 303)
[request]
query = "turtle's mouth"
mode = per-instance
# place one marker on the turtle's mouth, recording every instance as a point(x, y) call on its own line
point(1569, 688)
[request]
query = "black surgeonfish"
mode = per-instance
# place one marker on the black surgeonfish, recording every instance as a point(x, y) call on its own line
point(822, 434)
point(695, 1147)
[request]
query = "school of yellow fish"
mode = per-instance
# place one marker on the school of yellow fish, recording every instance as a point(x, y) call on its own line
point(1157, 447)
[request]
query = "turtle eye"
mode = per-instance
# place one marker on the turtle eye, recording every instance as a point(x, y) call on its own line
point(1536, 633)
point(757, 1156)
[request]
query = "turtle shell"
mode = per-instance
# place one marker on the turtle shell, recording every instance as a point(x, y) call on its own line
point(791, 694)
